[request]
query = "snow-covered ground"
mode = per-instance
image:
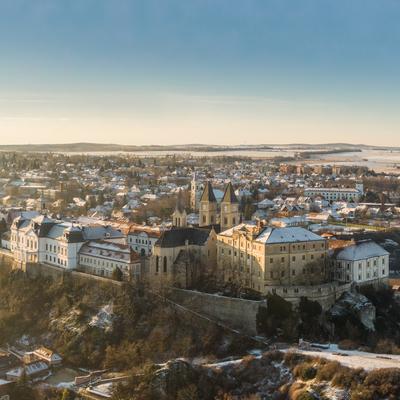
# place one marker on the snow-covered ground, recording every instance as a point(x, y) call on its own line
point(354, 358)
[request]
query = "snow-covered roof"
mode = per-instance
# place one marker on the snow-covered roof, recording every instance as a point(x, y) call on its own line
point(287, 235)
point(361, 251)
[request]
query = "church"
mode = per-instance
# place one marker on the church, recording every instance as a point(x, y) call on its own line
point(221, 215)
point(185, 253)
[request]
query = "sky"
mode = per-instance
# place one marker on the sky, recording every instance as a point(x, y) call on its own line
point(200, 71)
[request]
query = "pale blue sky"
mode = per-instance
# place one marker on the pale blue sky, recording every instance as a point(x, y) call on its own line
point(200, 71)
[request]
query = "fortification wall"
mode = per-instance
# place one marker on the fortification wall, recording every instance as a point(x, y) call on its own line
point(35, 269)
point(236, 313)
point(325, 294)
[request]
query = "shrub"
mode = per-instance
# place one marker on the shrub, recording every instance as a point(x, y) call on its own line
point(305, 371)
point(384, 382)
point(327, 371)
point(292, 358)
point(273, 355)
point(347, 377)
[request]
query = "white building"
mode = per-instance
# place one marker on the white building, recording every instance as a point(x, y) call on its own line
point(47, 355)
point(102, 258)
point(336, 194)
point(142, 238)
point(362, 263)
point(44, 240)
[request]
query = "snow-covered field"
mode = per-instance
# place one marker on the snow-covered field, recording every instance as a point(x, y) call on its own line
point(354, 358)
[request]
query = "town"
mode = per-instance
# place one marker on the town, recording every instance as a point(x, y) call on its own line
point(230, 227)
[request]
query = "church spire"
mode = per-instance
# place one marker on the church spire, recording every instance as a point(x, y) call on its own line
point(229, 195)
point(208, 193)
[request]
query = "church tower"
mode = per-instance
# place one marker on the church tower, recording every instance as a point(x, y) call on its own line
point(41, 204)
point(208, 207)
point(230, 215)
point(179, 217)
point(194, 193)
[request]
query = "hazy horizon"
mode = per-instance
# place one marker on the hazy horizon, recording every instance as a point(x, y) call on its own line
point(227, 72)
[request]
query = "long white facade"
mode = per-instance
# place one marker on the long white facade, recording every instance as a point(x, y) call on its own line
point(44, 240)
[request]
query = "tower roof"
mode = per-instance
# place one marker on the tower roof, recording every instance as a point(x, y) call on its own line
point(229, 195)
point(208, 193)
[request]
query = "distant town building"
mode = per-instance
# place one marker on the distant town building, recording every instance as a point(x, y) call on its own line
point(336, 194)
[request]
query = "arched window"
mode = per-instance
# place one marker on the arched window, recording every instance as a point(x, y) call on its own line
point(165, 263)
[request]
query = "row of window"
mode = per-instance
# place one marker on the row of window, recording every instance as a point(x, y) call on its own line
point(56, 249)
point(55, 260)
point(139, 241)
point(103, 263)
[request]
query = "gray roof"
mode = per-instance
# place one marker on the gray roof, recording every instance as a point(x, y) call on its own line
point(361, 251)
point(208, 193)
point(178, 236)
point(287, 235)
point(229, 195)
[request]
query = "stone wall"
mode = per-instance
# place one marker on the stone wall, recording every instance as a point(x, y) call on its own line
point(35, 269)
point(235, 313)
point(326, 294)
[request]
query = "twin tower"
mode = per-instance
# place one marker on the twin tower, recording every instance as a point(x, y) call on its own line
point(226, 214)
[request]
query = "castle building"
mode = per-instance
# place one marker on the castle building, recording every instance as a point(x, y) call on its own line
point(259, 258)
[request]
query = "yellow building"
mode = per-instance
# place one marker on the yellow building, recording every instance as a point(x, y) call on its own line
point(257, 257)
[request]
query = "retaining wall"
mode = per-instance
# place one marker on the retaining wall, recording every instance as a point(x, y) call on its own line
point(236, 313)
